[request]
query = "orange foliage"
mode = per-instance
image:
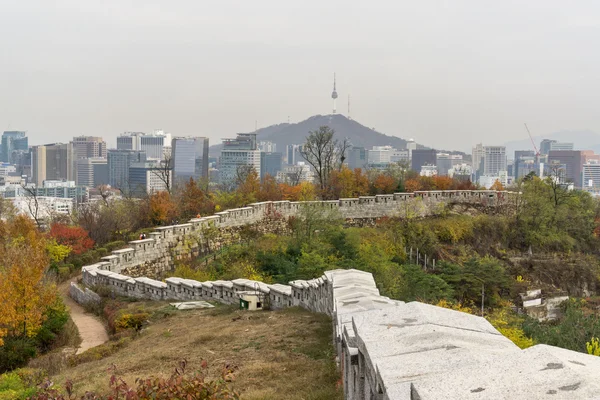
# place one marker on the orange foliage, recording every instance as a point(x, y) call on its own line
point(384, 184)
point(162, 208)
point(75, 237)
point(497, 186)
point(412, 185)
point(442, 182)
point(269, 189)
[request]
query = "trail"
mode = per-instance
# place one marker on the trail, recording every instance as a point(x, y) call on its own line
point(91, 329)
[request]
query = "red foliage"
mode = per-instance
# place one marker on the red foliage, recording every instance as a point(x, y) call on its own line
point(75, 237)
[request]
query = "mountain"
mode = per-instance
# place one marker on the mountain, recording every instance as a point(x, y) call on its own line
point(359, 135)
point(583, 140)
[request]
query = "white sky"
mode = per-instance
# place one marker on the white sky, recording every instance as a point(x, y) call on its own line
point(447, 73)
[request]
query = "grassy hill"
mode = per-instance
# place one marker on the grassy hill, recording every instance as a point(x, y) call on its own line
point(284, 354)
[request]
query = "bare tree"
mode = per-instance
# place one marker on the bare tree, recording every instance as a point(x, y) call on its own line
point(324, 153)
point(164, 172)
point(33, 204)
point(7, 209)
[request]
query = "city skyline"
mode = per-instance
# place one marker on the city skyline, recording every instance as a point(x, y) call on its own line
point(446, 76)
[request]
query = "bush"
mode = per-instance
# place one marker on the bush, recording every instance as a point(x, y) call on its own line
point(102, 252)
point(13, 386)
point(179, 386)
point(130, 321)
point(16, 352)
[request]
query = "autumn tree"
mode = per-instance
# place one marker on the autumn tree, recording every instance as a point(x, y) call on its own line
point(324, 154)
point(162, 208)
point(497, 186)
point(74, 237)
point(269, 189)
point(384, 184)
point(412, 185)
point(248, 184)
point(23, 293)
point(192, 200)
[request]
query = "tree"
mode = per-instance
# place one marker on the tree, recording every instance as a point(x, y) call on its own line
point(7, 209)
point(269, 189)
point(162, 208)
point(497, 186)
point(324, 154)
point(412, 185)
point(384, 184)
point(192, 200)
point(164, 172)
point(23, 293)
point(248, 184)
point(75, 237)
point(33, 204)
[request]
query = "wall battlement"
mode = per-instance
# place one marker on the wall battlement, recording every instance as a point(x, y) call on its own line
point(157, 252)
point(387, 349)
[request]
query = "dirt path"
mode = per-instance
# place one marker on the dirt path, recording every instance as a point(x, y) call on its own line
point(90, 328)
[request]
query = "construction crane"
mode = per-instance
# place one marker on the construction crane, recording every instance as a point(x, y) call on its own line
point(537, 152)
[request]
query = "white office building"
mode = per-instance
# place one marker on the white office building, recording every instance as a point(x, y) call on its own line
point(239, 152)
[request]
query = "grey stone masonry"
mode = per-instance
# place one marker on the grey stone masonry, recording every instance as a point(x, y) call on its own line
point(155, 255)
point(388, 349)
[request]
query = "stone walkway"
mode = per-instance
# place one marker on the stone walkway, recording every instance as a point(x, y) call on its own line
point(91, 330)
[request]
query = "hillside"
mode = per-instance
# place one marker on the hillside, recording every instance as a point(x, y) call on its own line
point(359, 135)
point(275, 354)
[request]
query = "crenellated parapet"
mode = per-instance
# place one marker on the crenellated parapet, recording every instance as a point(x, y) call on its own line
point(389, 349)
point(167, 243)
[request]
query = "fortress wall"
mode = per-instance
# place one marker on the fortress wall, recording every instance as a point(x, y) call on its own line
point(157, 253)
point(386, 349)
point(389, 349)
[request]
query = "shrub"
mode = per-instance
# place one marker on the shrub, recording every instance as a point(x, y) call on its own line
point(118, 244)
point(179, 386)
point(130, 321)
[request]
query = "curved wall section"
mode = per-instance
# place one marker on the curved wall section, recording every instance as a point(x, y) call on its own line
point(386, 349)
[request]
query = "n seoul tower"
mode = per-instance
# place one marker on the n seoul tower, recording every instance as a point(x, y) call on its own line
point(334, 93)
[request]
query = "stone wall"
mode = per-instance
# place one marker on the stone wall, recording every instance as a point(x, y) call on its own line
point(389, 349)
point(156, 254)
point(83, 296)
point(386, 349)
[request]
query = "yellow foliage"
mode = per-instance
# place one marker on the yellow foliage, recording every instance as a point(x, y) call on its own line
point(593, 346)
point(24, 295)
point(456, 306)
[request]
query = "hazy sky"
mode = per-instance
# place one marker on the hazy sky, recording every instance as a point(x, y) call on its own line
point(448, 73)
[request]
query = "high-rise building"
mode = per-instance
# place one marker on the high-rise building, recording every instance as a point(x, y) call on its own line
point(422, 157)
point(12, 141)
point(293, 155)
point(53, 162)
point(238, 152)
point(569, 163)
point(147, 178)
point(443, 163)
point(545, 146)
point(519, 154)
point(559, 146)
point(494, 160)
point(266, 146)
point(189, 158)
point(270, 164)
point(402, 155)
point(92, 172)
point(89, 146)
point(357, 158)
point(477, 158)
point(153, 144)
point(410, 146)
point(119, 162)
point(591, 177)
point(380, 154)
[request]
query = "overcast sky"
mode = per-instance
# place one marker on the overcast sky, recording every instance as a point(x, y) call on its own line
point(447, 73)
